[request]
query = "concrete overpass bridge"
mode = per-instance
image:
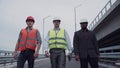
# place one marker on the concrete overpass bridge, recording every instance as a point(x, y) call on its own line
point(106, 25)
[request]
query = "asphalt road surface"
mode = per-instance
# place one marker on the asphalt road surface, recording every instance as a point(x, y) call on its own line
point(45, 63)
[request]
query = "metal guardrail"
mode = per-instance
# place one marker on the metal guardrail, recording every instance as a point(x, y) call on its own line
point(110, 54)
point(7, 57)
point(102, 13)
point(12, 60)
point(7, 60)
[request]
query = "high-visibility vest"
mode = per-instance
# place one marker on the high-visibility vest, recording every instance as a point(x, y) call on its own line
point(57, 40)
point(28, 39)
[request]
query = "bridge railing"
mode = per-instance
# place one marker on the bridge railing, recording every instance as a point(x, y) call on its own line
point(110, 54)
point(7, 57)
point(102, 13)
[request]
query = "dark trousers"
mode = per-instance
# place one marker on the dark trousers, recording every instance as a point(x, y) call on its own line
point(58, 58)
point(92, 61)
point(26, 55)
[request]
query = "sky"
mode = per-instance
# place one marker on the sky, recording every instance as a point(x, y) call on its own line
point(13, 14)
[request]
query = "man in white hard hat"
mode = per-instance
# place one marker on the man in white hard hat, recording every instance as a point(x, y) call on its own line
point(58, 41)
point(86, 46)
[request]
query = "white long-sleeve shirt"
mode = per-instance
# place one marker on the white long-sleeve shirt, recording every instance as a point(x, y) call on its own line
point(66, 37)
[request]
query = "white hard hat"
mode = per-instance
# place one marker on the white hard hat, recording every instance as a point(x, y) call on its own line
point(56, 19)
point(83, 21)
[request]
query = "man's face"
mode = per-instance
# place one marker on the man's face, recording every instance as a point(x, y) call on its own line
point(56, 24)
point(83, 25)
point(30, 23)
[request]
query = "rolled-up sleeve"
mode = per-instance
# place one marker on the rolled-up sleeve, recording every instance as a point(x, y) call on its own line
point(39, 40)
point(18, 41)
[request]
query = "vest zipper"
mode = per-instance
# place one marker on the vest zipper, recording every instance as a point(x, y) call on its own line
point(56, 38)
point(26, 39)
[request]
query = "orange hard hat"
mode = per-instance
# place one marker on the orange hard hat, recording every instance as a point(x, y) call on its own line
point(30, 18)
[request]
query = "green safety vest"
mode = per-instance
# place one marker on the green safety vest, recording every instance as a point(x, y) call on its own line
point(57, 40)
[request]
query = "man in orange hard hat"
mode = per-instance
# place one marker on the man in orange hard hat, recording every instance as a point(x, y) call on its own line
point(28, 44)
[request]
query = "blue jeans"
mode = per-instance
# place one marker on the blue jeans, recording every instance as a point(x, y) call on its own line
point(28, 55)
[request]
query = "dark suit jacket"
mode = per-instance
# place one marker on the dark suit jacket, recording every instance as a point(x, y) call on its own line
point(85, 44)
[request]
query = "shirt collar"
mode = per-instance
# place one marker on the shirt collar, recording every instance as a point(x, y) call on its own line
point(28, 28)
point(56, 28)
point(84, 30)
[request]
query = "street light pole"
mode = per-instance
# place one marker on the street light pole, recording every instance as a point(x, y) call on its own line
point(43, 33)
point(75, 15)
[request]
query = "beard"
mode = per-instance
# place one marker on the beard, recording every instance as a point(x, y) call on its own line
point(84, 28)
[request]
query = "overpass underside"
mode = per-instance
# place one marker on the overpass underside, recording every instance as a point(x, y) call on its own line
point(111, 39)
point(108, 28)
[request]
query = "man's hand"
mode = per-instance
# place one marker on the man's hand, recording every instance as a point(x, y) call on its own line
point(36, 54)
point(77, 58)
point(46, 54)
point(98, 57)
point(69, 56)
point(15, 55)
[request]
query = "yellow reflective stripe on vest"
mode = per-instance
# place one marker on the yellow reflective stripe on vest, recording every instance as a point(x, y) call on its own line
point(58, 46)
point(57, 43)
point(57, 40)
